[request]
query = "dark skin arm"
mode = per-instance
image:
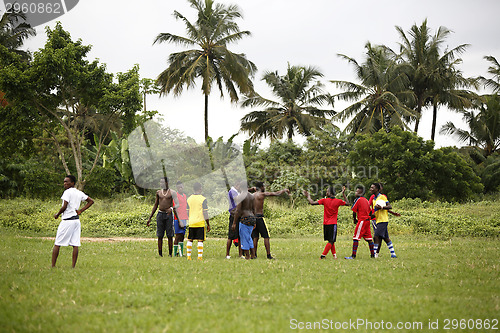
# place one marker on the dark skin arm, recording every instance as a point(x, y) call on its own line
point(155, 207)
point(308, 197)
point(89, 203)
point(345, 198)
point(207, 220)
point(237, 215)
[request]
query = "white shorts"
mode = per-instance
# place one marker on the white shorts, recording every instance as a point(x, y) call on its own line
point(68, 233)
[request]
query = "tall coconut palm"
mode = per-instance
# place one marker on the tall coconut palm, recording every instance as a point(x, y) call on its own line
point(446, 89)
point(494, 69)
point(380, 98)
point(14, 31)
point(297, 109)
point(210, 60)
point(420, 51)
point(484, 126)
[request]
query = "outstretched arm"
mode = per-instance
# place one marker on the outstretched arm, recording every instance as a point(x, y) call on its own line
point(277, 193)
point(394, 213)
point(308, 197)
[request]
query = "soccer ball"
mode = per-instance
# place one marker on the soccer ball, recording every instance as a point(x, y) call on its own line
point(381, 203)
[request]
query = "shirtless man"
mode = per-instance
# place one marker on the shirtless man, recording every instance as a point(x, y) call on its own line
point(245, 215)
point(165, 198)
point(260, 227)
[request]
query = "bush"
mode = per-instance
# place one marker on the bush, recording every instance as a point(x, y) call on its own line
point(128, 216)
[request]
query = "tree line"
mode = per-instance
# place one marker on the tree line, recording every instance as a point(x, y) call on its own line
point(57, 100)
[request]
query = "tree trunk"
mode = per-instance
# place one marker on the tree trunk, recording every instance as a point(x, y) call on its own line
point(206, 118)
point(419, 114)
point(434, 118)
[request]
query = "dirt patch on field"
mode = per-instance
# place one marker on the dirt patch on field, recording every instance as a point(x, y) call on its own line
point(105, 239)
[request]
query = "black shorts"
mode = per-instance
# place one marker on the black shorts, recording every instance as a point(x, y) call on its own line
point(197, 233)
point(232, 235)
point(164, 224)
point(330, 232)
point(381, 230)
point(260, 227)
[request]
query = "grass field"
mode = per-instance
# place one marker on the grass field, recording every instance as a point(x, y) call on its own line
point(123, 286)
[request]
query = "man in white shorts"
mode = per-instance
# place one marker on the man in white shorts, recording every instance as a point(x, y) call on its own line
point(68, 232)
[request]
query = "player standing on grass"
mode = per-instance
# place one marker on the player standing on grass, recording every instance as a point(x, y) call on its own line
point(331, 209)
point(380, 206)
point(198, 216)
point(69, 230)
point(260, 227)
point(164, 202)
point(361, 207)
point(245, 213)
point(233, 234)
point(180, 225)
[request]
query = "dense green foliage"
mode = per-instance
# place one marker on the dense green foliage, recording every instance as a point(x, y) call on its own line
point(410, 167)
point(61, 113)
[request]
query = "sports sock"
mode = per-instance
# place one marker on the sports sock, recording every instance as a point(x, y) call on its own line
point(176, 249)
point(391, 248)
point(371, 246)
point(181, 248)
point(327, 248)
point(189, 247)
point(355, 244)
point(334, 252)
point(200, 250)
point(375, 247)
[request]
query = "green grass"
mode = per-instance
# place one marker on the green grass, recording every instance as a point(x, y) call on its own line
point(126, 287)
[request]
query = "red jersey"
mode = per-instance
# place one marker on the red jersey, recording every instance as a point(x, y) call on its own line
point(331, 209)
point(362, 208)
point(182, 209)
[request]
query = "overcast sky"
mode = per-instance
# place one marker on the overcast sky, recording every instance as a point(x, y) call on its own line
point(302, 33)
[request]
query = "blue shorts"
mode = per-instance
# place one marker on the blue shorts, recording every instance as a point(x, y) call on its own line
point(179, 230)
point(246, 236)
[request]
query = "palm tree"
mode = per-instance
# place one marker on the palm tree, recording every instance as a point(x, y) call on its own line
point(484, 127)
point(214, 29)
point(297, 110)
point(13, 31)
point(381, 98)
point(445, 89)
point(420, 51)
point(493, 83)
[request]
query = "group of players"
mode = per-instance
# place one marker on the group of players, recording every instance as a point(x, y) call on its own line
point(375, 210)
point(246, 219)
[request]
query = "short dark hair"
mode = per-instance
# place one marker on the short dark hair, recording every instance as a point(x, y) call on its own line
point(196, 186)
point(377, 185)
point(72, 178)
point(259, 184)
point(178, 183)
point(362, 188)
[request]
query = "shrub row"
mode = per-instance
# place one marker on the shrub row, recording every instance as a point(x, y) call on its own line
point(127, 217)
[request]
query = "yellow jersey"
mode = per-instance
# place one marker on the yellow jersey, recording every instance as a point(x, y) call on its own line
point(381, 215)
point(196, 205)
